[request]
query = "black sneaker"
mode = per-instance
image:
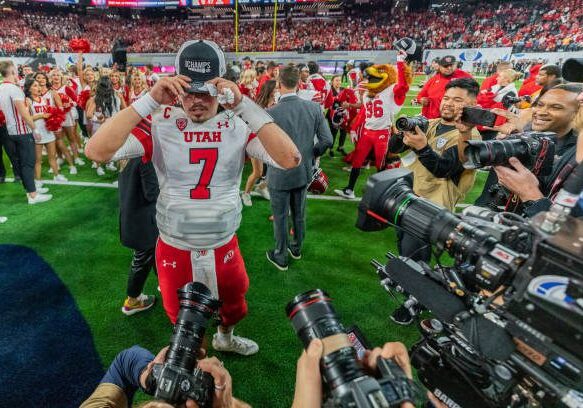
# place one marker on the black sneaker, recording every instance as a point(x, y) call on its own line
point(294, 253)
point(402, 316)
point(271, 258)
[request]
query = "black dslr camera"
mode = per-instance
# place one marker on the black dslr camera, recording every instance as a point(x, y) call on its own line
point(508, 100)
point(313, 317)
point(508, 326)
point(178, 379)
point(405, 124)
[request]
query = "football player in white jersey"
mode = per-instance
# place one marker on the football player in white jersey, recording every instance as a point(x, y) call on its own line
point(198, 154)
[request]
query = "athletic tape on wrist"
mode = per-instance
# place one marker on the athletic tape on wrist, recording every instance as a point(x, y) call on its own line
point(252, 114)
point(145, 105)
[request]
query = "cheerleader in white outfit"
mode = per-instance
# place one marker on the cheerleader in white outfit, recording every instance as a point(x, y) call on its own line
point(38, 108)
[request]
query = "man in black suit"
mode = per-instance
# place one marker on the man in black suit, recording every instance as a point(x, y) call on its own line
point(301, 120)
point(138, 192)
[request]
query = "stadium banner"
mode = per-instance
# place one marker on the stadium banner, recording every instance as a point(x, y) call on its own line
point(469, 56)
point(93, 59)
point(551, 57)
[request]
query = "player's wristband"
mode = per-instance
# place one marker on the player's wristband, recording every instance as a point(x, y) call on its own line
point(145, 105)
point(252, 114)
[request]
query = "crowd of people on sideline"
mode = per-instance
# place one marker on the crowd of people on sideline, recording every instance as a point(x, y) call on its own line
point(511, 24)
point(269, 109)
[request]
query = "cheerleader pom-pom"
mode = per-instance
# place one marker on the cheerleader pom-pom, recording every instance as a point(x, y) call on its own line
point(55, 120)
point(80, 45)
point(83, 98)
point(2, 119)
point(67, 103)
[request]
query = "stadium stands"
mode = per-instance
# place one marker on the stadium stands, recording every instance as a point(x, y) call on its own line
point(542, 25)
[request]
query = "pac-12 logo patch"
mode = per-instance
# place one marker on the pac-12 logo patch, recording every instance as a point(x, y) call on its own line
point(181, 123)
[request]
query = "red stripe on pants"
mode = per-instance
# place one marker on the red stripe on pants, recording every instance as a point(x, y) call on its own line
point(175, 270)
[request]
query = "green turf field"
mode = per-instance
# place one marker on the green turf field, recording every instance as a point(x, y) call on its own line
point(77, 233)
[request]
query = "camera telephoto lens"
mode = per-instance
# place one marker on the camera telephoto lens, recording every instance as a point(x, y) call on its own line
point(197, 306)
point(405, 124)
point(313, 317)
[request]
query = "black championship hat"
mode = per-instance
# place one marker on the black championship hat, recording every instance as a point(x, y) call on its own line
point(201, 61)
point(447, 60)
point(573, 70)
point(412, 49)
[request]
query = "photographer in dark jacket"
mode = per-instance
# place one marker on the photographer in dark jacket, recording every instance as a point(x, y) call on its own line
point(555, 112)
point(138, 192)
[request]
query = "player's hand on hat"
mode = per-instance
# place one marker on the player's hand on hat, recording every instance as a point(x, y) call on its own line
point(228, 92)
point(167, 89)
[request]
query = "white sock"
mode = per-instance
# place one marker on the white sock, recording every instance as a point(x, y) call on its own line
point(224, 337)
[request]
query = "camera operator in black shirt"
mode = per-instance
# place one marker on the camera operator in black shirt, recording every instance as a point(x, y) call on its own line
point(555, 112)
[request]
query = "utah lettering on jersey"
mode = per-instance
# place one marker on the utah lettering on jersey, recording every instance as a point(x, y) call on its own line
point(202, 137)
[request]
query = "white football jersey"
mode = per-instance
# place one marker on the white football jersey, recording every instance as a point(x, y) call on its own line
point(380, 110)
point(199, 168)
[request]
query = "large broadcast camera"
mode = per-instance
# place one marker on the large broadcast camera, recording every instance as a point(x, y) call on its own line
point(347, 385)
point(508, 324)
point(535, 150)
point(178, 378)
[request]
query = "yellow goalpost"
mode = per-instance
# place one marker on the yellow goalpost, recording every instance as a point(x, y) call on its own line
point(274, 34)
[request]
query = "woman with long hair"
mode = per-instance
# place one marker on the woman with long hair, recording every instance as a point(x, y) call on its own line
point(101, 107)
point(138, 86)
point(51, 98)
point(66, 93)
point(118, 84)
point(266, 99)
point(38, 109)
point(248, 83)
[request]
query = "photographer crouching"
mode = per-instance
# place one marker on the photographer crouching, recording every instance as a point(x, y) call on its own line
point(434, 159)
point(178, 376)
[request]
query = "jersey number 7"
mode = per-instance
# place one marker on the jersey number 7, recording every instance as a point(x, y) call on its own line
point(210, 157)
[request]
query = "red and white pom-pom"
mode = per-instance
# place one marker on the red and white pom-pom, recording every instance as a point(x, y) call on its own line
point(54, 122)
point(80, 45)
point(67, 102)
point(2, 119)
point(83, 98)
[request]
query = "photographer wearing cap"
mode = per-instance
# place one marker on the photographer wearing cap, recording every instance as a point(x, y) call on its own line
point(198, 153)
point(555, 111)
point(434, 89)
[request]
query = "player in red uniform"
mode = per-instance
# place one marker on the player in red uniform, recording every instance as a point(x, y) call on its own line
point(198, 155)
point(376, 117)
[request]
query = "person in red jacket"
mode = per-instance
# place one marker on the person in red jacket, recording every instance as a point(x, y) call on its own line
point(434, 89)
point(529, 86)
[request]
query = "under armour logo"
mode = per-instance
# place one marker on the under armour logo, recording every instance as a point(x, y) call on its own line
point(225, 124)
point(165, 264)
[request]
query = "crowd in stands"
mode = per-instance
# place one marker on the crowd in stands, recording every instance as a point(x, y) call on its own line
point(540, 25)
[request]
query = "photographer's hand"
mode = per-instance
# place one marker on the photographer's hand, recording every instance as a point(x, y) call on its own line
point(159, 359)
point(513, 124)
point(223, 397)
point(416, 140)
point(519, 180)
point(308, 393)
point(395, 351)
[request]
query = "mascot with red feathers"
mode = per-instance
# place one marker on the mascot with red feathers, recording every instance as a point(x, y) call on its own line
point(386, 89)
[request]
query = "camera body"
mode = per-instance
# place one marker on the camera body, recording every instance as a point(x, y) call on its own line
point(178, 378)
point(509, 324)
point(177, 384)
